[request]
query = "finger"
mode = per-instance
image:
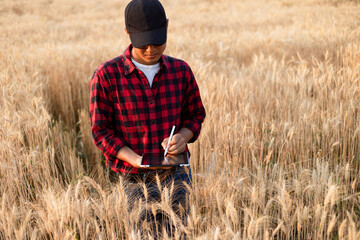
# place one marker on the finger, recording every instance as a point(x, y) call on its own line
point(172, 144)
point(178, 148)
point(164, 143)
point(176, 142)
point(176, 139)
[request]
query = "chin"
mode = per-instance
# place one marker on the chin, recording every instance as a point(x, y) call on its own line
point(152, 62)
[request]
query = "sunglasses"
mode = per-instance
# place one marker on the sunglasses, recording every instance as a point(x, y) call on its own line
point(146, 46)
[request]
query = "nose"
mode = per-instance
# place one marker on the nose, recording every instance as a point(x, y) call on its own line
point(150, 48)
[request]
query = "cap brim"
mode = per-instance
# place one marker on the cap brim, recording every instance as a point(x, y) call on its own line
point(155, 37)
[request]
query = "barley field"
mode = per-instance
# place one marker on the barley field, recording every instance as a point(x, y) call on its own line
point(279, 152)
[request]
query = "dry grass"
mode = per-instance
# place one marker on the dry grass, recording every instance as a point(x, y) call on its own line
point(278, 157)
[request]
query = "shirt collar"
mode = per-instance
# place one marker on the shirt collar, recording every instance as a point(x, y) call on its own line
point(129, 66)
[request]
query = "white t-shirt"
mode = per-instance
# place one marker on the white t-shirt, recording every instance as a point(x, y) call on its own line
point(149, 70)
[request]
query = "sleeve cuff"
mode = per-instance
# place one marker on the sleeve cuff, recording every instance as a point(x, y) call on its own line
point(111, 149)
point(195, 127)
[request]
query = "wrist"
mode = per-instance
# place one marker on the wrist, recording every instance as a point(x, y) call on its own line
point(128, 155)
point(187, 134)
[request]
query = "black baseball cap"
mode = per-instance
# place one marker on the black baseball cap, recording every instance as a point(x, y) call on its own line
point(146, 22)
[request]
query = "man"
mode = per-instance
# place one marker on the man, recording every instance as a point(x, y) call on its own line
point(137, 98)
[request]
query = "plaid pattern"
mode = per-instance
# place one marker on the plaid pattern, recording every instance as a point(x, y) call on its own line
point(124, 110)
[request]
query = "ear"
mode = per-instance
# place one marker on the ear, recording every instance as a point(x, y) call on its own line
point(167, 23)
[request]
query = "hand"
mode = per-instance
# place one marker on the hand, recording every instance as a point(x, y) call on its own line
point(176, 145)
point(137, 162)
point(128, 155)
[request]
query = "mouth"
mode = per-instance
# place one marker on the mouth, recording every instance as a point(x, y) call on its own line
point(152, 55)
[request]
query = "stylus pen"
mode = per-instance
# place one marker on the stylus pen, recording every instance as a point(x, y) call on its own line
point(171, 135)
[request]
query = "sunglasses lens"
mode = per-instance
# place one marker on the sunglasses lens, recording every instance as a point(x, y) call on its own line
point(146, 46)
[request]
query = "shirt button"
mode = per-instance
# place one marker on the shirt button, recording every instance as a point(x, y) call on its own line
point(151, 102)
point(154, 142)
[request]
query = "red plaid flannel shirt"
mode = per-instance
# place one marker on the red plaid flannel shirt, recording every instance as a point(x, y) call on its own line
point(125, 111)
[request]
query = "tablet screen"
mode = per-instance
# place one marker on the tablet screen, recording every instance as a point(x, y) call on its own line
point(158, 159)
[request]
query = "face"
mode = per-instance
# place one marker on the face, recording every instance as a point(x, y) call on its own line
point(148, 54)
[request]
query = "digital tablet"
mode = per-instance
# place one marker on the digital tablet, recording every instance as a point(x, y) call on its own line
point(158, 160)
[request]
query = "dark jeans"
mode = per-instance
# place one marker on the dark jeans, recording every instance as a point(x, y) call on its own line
point(162, 193)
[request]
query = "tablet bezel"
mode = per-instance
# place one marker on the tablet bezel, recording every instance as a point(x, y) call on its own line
point(161, 155)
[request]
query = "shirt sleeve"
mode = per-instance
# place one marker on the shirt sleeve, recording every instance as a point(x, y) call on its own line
point(101, 117)
point(193, 111)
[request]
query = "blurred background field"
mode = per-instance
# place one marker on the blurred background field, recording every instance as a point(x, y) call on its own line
point(278, 156)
